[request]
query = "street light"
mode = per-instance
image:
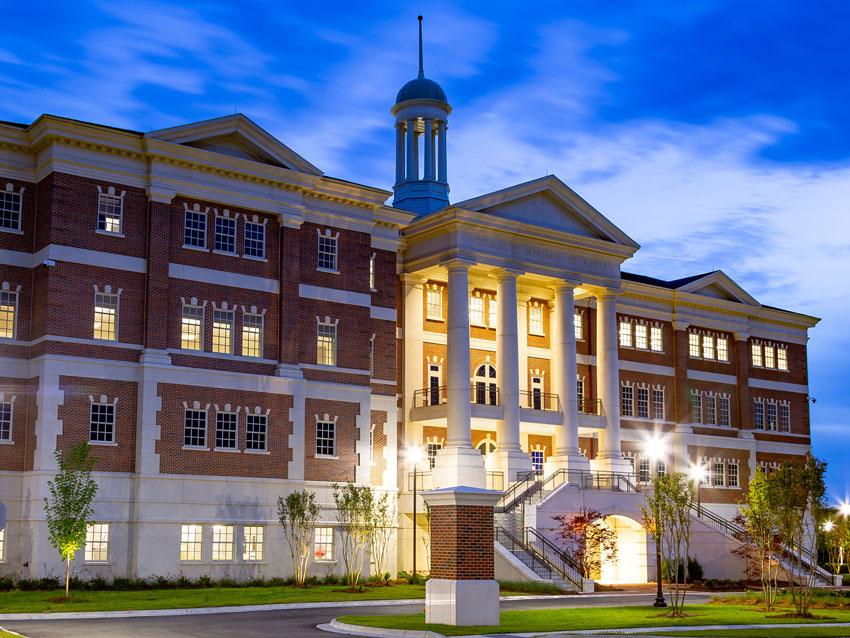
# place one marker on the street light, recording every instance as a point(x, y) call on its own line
point(414, 455)
point(655, 449)
point(828, 526)
point(844, 509)
point(697, 473)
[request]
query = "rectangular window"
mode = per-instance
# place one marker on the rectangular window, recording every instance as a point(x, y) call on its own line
point(256, 432)
point(97, 543)
point(710, 403)
point(222, 341)
point(537, 460)
point(660, 468)
point(643, 403)
point(190, 542)
point(723, 408)
point(225, 235)
point(658, 404)
point(326, 344)
point(252, 543)
point(110, 211)
point(252, 335)
point(707, 347)
point(255, 240)
point(325, 438)
point(8, 313)
point(626, 400)
point(693, 345)
point(784, 417)
point(102, 423)
point(105, 316)
point(222, 542)
point(327, 256)
point(769, 357)
point(192, 328)
point(434, 304)
point(722, 349)
point(476, 311)
point(732, 475)
point(656, 342)
point(6, 421)
point(782, 359)
point(580, 394)
point(759, 415)
point(641, 337)
point(372, 273)
point(757, 359)
point(323, 543)
point(578, 326)
point(195, 229)
point(644, 475)
point(493, 309)
point(626, 334)
point(225, 430)
point(535, 320)
point(771, 416)
point(696, 407)
point(10, 210)
point(432, 449)
point(717, 474)
point(195, 428)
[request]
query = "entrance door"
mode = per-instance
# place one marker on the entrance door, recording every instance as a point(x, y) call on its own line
point(486, 392)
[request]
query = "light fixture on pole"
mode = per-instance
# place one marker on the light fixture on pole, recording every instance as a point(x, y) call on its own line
point(655, 450)
point(414, 455)
point(844, 509)
point(697, 473)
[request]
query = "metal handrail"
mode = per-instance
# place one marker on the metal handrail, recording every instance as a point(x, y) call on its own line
point(525, 485)
point(590, 406)
point(536, 400)
point(512, 543)
point(589, 480)
point(554, 556)
point(488, 395)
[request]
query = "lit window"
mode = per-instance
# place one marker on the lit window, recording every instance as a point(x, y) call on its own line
point(696, 407)
point(225, 430)
point(494, 313)
point(190, 542)
point(732, 475)
point(643, 403)
point(97, 543)
point(6, 421)
point(658, 404)
point(641, 339)
point(626, 334)
point(255, 240)
point(2, 545)
point(327, 255)
point(656, 342)
point(535, 320)
point(782, 359)
point(769, 357)
point(710, 403)
point(102, 423)
point(644, 472)
point(222, 542)
point(222, 341)
point(195, 428)
point(759, 414)
point(256, 432)
point(578, 326)
point(325, 438)
point(537, 460)
point(110, 212)
point(326, 344)
point(252, 335)
point(626, 400)
point(195, 229)
point(10, 209)
point(323, 543)
point(757, 359)
point(8, 313)
point(106, 316)
point(476, 311)
point(192, 328)
point(252, 543)
point(431, 450)
point(435, 304)
point(717, 474)
point(372, 273)
point(771, 416)
point(660, 468)
point(707, 347)
point(723, 409)
point(225, 235)
point(693, 344)
point(784, 417)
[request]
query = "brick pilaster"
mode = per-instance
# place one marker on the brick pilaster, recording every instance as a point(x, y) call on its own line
point(157, 283)
point(681, 404)
point(742, 372)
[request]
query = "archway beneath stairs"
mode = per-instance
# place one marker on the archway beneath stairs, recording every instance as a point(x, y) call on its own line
point(631, 564)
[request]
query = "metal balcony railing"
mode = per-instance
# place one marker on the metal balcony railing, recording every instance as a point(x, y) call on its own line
point(537, 400)
point(590, 480)
point(590, 406)
point(479, 393)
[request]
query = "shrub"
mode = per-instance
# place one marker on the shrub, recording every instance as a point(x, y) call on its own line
point(529, 587)
point(7, 583)
point(694, 570)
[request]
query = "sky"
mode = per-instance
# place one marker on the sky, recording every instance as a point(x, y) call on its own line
point(714, 133)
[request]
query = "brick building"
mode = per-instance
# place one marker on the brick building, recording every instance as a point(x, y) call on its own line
point(224, 323)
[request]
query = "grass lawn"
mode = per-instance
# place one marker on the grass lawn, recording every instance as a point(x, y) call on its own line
point(602, 618)
point(6, 634)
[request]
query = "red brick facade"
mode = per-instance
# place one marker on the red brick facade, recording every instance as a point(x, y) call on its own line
point(462, 542)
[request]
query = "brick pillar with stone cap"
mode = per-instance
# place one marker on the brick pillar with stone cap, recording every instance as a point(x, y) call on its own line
point(462, 589)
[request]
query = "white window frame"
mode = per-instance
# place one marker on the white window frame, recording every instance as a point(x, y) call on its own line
point(724, 410)
point(759, 414)
point(104, 301)
point(434, 303)
point(578, 325)
point(492, 313)
point(625, 331)
point(645, 402)
point(96, 548)
point(537, 465)
point(756, 356)
point(431, 450)
point(722, 348)
point(324, 546)
point(327, 251)
point(254, 222)
point(326, 438)
point(694, 347)
point(253, 548)
point(656, 392)
point(783, 423)
point(195, 309)
point(327, 341)
point(223, 329)
point(372, 272)
point(627, 400)
point(2, 546)
point(536, 322)
point(476, 311)
point(199, 410)
point(226, 223)
point(223, 537)
point(99, 406)
point(656, 338)
point(191, 543)
point(12, 196)
point(10, 298)
point(252, 422)
point(104, 201)
point(228, 417)
point(730, 483)
point(253, 321)
point(199, 219)
point(695, 406)
point(7, 424)
point(641, 331)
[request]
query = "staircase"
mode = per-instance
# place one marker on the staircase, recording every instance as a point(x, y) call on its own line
point(542, 557)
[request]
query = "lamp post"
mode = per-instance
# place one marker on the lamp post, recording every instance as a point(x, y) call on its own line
point(655, 450)
point(414, 456)
point(697, 473)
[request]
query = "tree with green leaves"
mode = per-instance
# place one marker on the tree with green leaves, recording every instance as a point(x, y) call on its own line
point(354, 513)
point(383, 518)
point(298, 513)
point(835, 534)
point(69, 508)
point(761, 522)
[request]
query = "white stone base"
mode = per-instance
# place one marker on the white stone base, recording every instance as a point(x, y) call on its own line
point(511, 463)
point(462, 602)
point(572, 462)
point(459, 466)
point(615, 463)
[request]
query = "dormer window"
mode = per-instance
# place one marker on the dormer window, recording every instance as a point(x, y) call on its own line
point(110, 211)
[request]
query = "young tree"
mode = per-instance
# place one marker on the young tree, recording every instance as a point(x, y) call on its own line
point(760, 522)
point(667, 513)
point(426, 538)
point(354, 510)
point(384, 517)
point(588, 540)
point(835, 535)
point(298, 513)
point(69, 508)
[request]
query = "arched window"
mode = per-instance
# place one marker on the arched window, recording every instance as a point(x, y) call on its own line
point(485, 385)
point(486, 447)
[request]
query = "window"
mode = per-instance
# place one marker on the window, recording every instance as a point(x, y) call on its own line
point(722, 349)
point(434, 302)
point(626, 400)
point(2, 545)
point(710, 403)
point(256, 432)
point(372, 273)
point(696, 407)
point(432, 449)
point(225, 235)
point(537, 393)
point(476, 311)
point(192, 328)
point(771, 416)
point(578, 326)
point(769, 357)
point(732, 475)
point(252, 335)
point(658, 404)
point(484, 383)
point(327, 256)
point(255, 240)
point(323, 543)
point(8, 313)
point(644, 475)
point(6, 421)
point(641, 339)
point(580, 394)
point(326, 344)
point(493, 307)
point(643, 403)
point(10, 209)
point(325, 438)
point(105, 316)
point(784, 417)
point(707, 347)
point(535, 320)
point(195, 428)
point(757, 358)
point(434, 380)
point(225, 430)
point(625, 334)
point(110, 212)
point(190, 542)
point(656, 342)
point(97, 543)
point(759, 414)
point(717, 474)
point(195, 228)
point(782, 359)
point(660, 468)
point(537, 460)
point(102, 423)
point(252, 543)
point(693, 344)
point(222, 542)
point(723, 409)
point(222, 335)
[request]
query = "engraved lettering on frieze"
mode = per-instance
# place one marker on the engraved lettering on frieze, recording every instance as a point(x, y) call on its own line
point(542, 255)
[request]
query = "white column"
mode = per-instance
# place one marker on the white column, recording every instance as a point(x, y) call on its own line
point(458, 463)
point(399, 152)
point(442, 177)
point(428, 140)
point(566, 453)
point(412, 159)
point(509, 455)
point(414, 313)
point(522, 322)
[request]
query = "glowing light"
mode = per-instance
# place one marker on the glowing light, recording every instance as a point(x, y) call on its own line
point(697, 472)
point(828, 526)
point(655, 448)
point(844, 509)
point(414, 454)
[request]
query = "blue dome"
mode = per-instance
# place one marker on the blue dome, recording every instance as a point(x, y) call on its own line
point(421, 89)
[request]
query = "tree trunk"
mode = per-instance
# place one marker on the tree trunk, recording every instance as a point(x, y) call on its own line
point(67, 577)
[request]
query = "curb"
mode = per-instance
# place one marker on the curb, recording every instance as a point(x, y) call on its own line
point(336, 627)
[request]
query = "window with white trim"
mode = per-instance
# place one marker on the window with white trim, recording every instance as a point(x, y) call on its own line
point(784, 417)
point(102, 423)
point(326, 438)
point(641, 337)
point(434, 304)
point(696, 406)
point(638, 334)
point(535, 319)
point(644, 471)
point(110, 211)
point(759, 414)
point(192, 328)
point(224, 237)
point(327, 256)
point(372, 272)
point(106, 316)
point(723, 349)
point(226, 427)
point(537, 460)
point(656, 341)
point(709, 408)
point(626, 334)
point(191, 542)
point(252, 543)
point(255, 239)
point(222, 335)
point(660, 467)
point(222, 542)
point(769, 355)
point(493, 309)
point(658, 403)
point(757, 359)
point(771, 416)
point(195, 428)
point(256, 432)
point(718, 474)
point(11, 205)
point(431, 450)
point(580, 393)
point(8, 313)
point(323, 544)
point(326, 343)
point(627, 400)
point(732, 479)
point(252, 334)
point(578, 325)
point(782, 359)
point(642, 402)
point(711, 346)
point(724, 416)
point(5, 420)
point(97, 543)
point(195, 228)
point(476, 311)
point(693, 345)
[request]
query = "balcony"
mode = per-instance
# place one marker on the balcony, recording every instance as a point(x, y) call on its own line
point(429, 404)
point(540, 407)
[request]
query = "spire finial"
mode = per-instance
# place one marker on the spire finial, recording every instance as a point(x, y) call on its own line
point(421, 68)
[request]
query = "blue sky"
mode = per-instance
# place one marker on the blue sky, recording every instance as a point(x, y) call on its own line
point(714, 133)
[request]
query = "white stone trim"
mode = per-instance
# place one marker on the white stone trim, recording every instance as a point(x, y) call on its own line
point(223, 278)
point(712, 377)
point(334, 295)
point(764, 384)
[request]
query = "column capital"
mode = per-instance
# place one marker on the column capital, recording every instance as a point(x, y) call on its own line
point(740, 335)
point(506, 273)
point(606, 294)
point(459, 263)
point(565, 283)
point(680, 325)
point(413, 279)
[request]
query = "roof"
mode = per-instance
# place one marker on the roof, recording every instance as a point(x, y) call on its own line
point(421, 88)
point(672, 284)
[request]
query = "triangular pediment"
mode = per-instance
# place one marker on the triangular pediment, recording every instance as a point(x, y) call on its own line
point(236, 136)
point(550, 204)
point(719, 285)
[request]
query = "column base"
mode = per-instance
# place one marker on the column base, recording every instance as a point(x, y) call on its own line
point(571, 461)
point(459, 466)
point(613, 462)
point(462, 602)
point(511, 463)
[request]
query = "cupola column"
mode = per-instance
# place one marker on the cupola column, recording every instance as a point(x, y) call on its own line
point(412, 159)
point(428, 140)
point(399, 152)
point(442, 175)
